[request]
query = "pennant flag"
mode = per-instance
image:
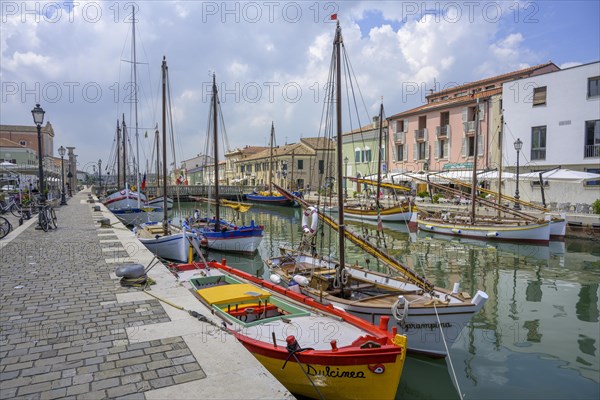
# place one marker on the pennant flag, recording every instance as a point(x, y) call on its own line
point(333, 17)
point(144, 182)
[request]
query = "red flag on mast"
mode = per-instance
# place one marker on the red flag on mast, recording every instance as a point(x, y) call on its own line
point(333, 17)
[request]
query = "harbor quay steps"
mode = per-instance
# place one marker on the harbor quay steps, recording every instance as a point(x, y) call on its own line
point(68, 329)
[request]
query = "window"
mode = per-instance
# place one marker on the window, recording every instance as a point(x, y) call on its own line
point(441, 149)
point(471, 146)
point(400, 152)
point(357, 154)
point(421, 151)
point(593, 87)
point(592, 171)
point(368, 156)
point(538, 143)
point(321, 166)
point(539, 96)
point(300, 164)
point(400, 125)
point(592, 138)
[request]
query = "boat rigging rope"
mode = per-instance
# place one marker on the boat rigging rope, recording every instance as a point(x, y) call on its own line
point(448, 353)
point(292, 349)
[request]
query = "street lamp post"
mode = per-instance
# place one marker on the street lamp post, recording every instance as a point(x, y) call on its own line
point(38, 118)
point(345, 177)
point(518, 146)
point(61, 152)
point(99, 176)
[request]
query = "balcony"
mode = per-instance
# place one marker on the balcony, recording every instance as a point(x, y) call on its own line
point(469, 127)
point(400, 137)
point(421, 134)
point(442, 131)
point(592, 150)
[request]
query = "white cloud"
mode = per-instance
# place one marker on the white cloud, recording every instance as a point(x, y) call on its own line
point(275, 55)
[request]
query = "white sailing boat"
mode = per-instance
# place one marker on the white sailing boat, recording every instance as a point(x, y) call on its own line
point(431, 317)
point(166, 240)
point(131, 206)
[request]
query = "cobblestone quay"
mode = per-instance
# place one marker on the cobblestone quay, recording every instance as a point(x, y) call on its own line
point(69, 330)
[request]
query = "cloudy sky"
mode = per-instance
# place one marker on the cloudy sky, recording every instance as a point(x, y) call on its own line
point(271, 60)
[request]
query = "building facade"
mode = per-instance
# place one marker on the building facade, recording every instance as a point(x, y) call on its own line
point(311, 162)
point(360, 153)
point(441, 134)
point(557, 117)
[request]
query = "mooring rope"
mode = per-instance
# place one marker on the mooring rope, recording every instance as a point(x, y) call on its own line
point(448, 353)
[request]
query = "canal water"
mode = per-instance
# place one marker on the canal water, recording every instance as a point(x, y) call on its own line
point(537, 337)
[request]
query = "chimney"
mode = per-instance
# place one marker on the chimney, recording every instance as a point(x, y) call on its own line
point(376, 121)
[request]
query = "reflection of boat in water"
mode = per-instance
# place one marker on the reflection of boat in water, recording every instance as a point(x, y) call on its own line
point(418, 375)
point(538, 252)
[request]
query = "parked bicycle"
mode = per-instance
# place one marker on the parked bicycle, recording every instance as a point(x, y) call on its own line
point(47, 217)
point(5, 227)
point(10, 205)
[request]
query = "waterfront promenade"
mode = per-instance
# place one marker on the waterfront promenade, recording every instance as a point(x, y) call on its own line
point(69, 330)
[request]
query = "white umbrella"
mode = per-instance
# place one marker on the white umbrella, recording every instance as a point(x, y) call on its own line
point(563, 175)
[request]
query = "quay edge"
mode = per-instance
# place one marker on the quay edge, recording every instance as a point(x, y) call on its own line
point(116, 341)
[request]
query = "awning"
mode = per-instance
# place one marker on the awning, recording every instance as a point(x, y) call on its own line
point(562, 175)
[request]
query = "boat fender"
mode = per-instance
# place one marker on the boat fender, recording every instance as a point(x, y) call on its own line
point(456, 231)
point(400, 309)
point(492, 234)
point(130, 271)
point(456, 287)
point(314, 215)
point(301, 280)
point(276, 279)
point(479, 297)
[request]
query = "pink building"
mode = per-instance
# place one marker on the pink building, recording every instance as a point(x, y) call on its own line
point(440, 135)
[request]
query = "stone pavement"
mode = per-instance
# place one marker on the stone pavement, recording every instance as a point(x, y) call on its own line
point(69, 330)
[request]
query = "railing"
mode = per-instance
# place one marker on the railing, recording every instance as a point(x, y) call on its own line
point(443, 130)
point(400, 137)
point(469, 126)
point(538, 154)
point(591, 150)
point(421, 134)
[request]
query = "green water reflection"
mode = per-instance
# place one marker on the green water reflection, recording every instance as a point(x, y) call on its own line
point(537, 336)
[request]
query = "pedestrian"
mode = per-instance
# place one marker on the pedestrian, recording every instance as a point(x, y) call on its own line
point(307, 190)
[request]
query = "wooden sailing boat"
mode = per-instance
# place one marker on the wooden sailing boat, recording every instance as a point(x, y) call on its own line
point(500, 227)
point(218, 234)
point(431, 317)
point(379, 212)
point(166, 240)
point(268, 196)
point(355, 361)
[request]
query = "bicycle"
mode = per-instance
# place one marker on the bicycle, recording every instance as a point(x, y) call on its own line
point(5, 227)
point(12, 206)
point(47, 217)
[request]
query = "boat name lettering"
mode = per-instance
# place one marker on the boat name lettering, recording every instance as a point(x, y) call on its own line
point(335, 373)
point(430, 325)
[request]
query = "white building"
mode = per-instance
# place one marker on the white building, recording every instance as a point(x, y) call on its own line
point(557, 117)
